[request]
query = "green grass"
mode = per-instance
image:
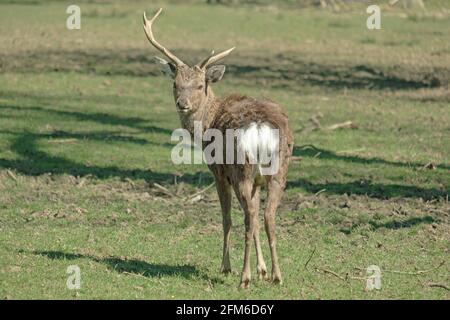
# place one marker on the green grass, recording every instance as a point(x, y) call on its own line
point(85, 124)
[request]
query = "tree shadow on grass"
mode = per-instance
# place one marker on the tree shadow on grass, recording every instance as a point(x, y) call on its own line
point(332, 76)
point(311, 151)
point(133, 266)
point(373, 190)
point(98, 117)
point(35, 162)
point(393, 224)
point(287, 70)
point(362, 186)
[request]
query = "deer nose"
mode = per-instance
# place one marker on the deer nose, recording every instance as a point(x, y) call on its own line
point(183, 103)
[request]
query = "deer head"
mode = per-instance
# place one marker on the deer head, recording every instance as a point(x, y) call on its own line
point(191, 85)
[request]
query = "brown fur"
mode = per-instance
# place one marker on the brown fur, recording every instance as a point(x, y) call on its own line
point(234, 112)
point(196, 101)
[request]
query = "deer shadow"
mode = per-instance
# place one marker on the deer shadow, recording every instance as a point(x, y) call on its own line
point(133, 266)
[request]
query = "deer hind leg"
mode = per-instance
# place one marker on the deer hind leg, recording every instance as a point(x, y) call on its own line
point(275, 192)
point(243, 191)
point(224, 192)
point(261, 268)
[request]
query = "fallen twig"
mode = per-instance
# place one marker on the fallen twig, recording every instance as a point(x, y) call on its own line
point(315, 124)
point(11, 175)
point(134, 274)
point(165, 190)
point(315, 120)
point(129, 181)
point(319, 192)
point(310, 257)
point(343, 125)
point(438, 285)
point(346, 278)
point(307, 147)
point(350, 151)
point(429, 166)
point(201, 191)
point(438, 211)
point(196, 198)
point(417, 273)
point(63, 140)
point(333, 273)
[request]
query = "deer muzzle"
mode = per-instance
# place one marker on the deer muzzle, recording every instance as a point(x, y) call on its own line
point(183, 104)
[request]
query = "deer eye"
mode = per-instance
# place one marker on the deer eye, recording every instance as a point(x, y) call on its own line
point(200, 87)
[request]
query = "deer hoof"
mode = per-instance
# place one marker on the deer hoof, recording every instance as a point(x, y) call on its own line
point(225, 271)
point(277, 280)
point(245, 284)
point(262, 274)
point(245, 280)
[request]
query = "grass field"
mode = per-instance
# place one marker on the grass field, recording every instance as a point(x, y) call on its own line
point(85, 124)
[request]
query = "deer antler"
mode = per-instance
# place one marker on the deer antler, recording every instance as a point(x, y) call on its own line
point(151, 38)
point(214, 58)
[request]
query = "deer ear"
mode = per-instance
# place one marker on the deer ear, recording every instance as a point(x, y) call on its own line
point(168, 68)
point(215, 73)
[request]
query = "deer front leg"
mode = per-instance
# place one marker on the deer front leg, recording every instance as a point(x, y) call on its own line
point(224, 192)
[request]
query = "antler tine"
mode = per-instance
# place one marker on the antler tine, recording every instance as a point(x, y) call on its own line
point(205, 61)
point(149, 33)
point(214, 58)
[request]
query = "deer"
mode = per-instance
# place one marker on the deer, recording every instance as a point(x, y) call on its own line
point(195, 101)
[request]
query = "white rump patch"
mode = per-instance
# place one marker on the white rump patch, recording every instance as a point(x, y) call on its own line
point(260, 143)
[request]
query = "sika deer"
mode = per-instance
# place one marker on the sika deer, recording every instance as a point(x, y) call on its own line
point(195, 101)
